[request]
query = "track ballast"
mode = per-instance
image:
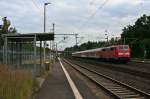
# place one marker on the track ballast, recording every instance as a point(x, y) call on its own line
point(115, 88)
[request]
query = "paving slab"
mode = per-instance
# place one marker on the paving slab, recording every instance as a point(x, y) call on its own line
point(55, 86)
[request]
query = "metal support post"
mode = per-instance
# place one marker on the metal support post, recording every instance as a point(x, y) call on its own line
point(35, 68)
point(49, 49)
point(12, 55)
point(41, 63)
point(45, 4)
point(56, 51)
point(53, 51)
point(53, 27)
point(5, 51)
point(20, 54)
point(44, 52)
point(17, 53)
point(76, 38)
point(50, 55)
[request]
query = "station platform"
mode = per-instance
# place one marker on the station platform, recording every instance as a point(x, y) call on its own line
point(55, 86)
point(58, 86)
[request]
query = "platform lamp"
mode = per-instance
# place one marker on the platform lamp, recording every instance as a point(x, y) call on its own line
point(45, 4)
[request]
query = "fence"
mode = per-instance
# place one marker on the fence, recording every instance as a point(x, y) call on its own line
point(1, 54)
point(21, 59)
point(25, 51)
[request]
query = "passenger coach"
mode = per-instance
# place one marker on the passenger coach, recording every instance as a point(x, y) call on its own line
point(111, 53)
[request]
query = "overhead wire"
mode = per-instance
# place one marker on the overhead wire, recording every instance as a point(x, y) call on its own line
point(41, 1)
point(90, 17)
point(93, 14)
point(100, 7)
point(37, 7)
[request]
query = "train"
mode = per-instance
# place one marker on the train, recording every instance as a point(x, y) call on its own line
point(114, 53)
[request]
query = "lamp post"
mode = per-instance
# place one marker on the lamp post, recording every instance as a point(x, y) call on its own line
point(45, 4)
point(106, 34)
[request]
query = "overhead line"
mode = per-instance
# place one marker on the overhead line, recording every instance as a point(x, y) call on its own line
point(38, 8)
point(100, 7)
point(92, 15)
point(41, 1)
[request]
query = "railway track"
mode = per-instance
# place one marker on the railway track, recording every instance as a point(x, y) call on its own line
point(122, 68)
point(117, 89)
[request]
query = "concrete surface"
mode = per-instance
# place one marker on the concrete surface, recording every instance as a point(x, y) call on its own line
point(55, 86)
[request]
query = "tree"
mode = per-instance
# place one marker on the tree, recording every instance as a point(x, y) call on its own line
point(5, 26)
point(6, 29)
point(138, 36)
point(12, 30)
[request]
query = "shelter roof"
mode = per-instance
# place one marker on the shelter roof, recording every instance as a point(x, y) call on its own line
point(30, 37)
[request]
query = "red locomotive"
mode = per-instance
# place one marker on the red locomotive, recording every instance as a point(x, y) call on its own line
point(112, 53)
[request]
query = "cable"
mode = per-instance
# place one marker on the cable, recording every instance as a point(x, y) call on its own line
point(38, 8)
point(100, 7)
point(92, 15)
point(41, 1)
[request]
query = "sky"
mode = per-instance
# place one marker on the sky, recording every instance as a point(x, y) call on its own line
point(90, 19)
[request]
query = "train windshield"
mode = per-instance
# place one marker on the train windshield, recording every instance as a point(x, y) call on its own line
point(125, 47)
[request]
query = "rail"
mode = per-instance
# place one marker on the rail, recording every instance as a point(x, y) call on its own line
point(117, 89)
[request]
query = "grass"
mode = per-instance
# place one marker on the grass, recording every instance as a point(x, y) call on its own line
point(15, 84)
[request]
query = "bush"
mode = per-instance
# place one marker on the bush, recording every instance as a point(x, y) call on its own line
point(15, 84)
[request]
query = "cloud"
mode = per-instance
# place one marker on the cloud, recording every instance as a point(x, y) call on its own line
point(125, 2)
point(72, 16)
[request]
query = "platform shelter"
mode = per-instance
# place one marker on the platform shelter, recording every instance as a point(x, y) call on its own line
point(27, 50)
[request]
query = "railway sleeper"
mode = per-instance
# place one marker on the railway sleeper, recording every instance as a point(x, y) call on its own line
point(117, 88)
point(114, 87)
point(107, 82)
point(103, 83)
point(131, 93)
point(107, 85)
point(123, 91)
point(135, 96)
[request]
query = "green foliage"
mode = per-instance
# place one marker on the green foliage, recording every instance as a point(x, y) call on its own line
point(5, 29)
point(146, 43)
point(86, 46)
point(15, 84)
point(5, 26)
point(138, 37)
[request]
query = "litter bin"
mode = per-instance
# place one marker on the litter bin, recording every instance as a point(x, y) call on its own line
point(47, 66)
